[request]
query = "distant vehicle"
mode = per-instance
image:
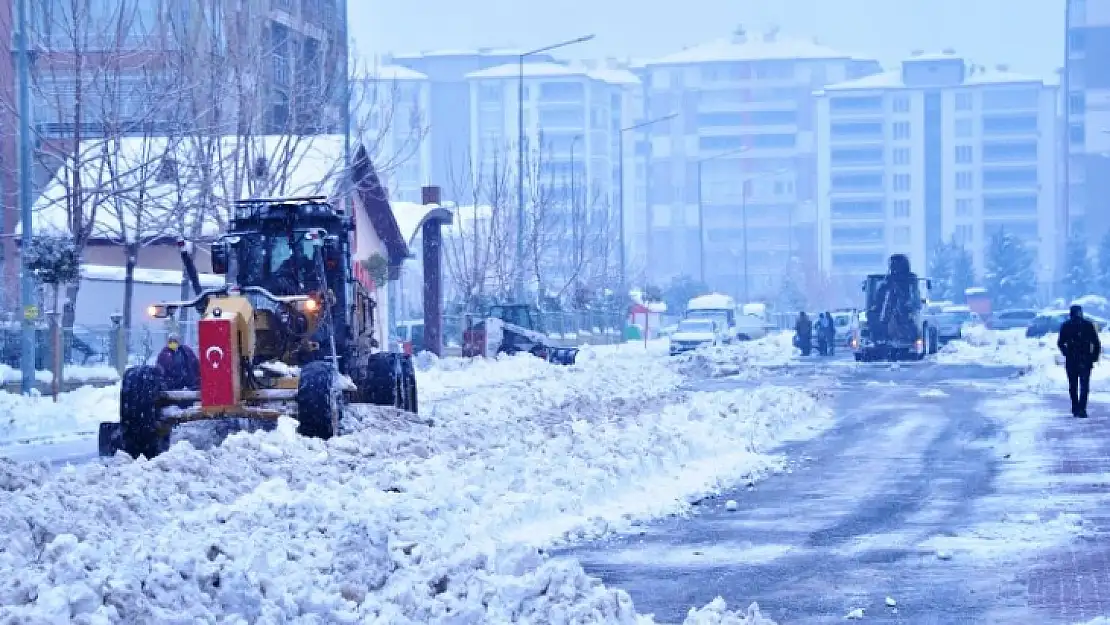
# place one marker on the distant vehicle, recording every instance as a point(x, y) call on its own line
point(1012, 319)
point(1049, 322)
point(951, 321)
point(842, 321)
point(753, 322)
point(694, 333)
point(410, 334)
point(715, 306)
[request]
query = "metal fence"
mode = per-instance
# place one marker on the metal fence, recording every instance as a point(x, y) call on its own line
point(584, 326)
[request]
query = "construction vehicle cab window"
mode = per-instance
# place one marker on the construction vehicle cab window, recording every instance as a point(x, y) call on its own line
point(292, 331)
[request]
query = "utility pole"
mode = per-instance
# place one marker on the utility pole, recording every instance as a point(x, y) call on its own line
point(620, 194)
point(27, 283)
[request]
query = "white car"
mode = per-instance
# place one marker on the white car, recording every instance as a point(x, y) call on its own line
point(694, 333)
point(952, 320)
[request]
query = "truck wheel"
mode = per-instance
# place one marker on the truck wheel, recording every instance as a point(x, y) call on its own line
point(408, 384)
point(934, 341)
point(391, 381)
point(319, 401)
point(141, 432)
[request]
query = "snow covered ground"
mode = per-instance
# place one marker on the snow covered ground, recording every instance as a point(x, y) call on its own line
point(746, 358)
point(30, 418)
point(432, 519)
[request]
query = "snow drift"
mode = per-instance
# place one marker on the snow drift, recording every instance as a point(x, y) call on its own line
point(436, 518)
point(744, 358)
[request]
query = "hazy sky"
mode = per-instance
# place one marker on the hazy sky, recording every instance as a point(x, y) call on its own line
point(1027, 34)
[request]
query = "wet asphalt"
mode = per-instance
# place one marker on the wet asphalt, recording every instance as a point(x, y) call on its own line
point(840, 529)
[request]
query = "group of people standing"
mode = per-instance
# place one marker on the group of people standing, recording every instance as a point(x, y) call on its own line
point(824, 328)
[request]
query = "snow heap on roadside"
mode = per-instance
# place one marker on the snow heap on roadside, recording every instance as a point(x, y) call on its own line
point(1039, 358)
point(429, 519)
point(24, 418)
point(776, 349)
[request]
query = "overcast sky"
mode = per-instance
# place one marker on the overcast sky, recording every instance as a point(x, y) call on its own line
point(1027, 34)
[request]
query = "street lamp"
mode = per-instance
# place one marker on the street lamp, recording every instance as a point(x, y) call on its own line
point(520, 157)
point(620, 192)
point(701, 209)
point(744, 192)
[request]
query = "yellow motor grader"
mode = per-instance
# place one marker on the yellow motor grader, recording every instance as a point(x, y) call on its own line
point(290, 333)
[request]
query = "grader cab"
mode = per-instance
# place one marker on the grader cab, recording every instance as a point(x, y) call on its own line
point(290, 333)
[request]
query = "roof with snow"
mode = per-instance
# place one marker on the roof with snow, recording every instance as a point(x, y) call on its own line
point(411, 217)
point(111, 273)
point(976, 76)
point(390, 72)
point(547, 69)
point(152, 188)
point(751, 48)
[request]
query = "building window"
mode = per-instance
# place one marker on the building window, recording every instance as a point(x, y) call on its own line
point(1077, 134)
point(963, 101)
point(856, 130)
point(1010, 205)
point(1023, 177)
point(965, 180)
point(856, 209)
point(857, 234)
point(1077, 103)
point(901, 182)
point(901, 156)
point(963, 154)
point(857, 182)
point(901, 104)
point(964, 208)
point(963, 128)
point(1076, 40)
point(963, 234)
point(901, 130)
point(1010, 99)
point(901, 235)
point(845, 104)
point(856, 156)
point(901, 209)
point(563, 91)
point(1009, 152)
point(1009, 124)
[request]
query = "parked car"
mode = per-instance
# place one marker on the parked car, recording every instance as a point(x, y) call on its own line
point(694, 333)
point(1049, 322)
point(842, 321)
point(1012, 319)
point(951, 321)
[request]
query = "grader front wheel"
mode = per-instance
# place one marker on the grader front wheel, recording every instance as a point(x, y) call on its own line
point(140, 431)
point(319, 401)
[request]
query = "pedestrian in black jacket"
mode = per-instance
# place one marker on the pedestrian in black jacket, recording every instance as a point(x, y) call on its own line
point(1081, 348)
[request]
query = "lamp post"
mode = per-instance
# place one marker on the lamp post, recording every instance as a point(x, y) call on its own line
point(620, 193)
point(520, 156)
point(701, 209)
point(27, 283)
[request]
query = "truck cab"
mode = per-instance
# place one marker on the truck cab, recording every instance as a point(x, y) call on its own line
point(718, 307)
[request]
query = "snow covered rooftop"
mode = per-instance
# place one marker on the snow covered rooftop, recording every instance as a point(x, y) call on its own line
point(109, 273)
point(976, 76)
point(391, 72)
point(151, 187)
point(460, 52)
point(547, 69)
point(751, 48)
point(411, 216)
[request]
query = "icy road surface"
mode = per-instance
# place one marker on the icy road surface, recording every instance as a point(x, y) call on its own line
point(940, 496)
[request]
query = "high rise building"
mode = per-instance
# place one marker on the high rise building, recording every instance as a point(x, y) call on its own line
point(732, 180)
point(936, 150)
point(1086, 83)
point(391, 113)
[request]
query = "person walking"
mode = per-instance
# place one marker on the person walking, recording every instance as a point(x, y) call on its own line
point(803, 333)
point(1081, 348)
point(830, 333)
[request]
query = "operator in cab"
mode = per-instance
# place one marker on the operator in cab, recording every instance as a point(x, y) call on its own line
point(286, 280)
point(179, 365)
point(1081, 348)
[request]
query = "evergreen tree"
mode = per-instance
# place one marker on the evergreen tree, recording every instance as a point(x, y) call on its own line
point(940, 272)
point(1010, 277)
point(963, 273)
point(1077, 268)
point(1102, 283)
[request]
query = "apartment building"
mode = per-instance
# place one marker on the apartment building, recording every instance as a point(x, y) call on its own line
point(934, 150)
point(391, 112)
point(573, 121)
point(449, 113)
point(744, 127)
point(1086, 82)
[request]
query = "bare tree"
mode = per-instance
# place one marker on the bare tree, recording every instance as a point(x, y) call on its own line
point(479, 245)
point(92, 81)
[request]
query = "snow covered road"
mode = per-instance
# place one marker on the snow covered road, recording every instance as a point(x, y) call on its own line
point(934, 489)
point(433, 519)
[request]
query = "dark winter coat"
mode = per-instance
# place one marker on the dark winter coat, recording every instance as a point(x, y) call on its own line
point(804, 329)
point(1079, 342)
point(180, 368)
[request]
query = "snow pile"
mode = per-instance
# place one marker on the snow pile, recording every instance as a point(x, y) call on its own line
point(406, 520)
point(773, 350)
point(24, 418)
point(983, 346)
point(83, 374)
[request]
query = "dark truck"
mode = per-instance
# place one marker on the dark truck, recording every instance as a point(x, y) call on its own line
point(896, 327)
